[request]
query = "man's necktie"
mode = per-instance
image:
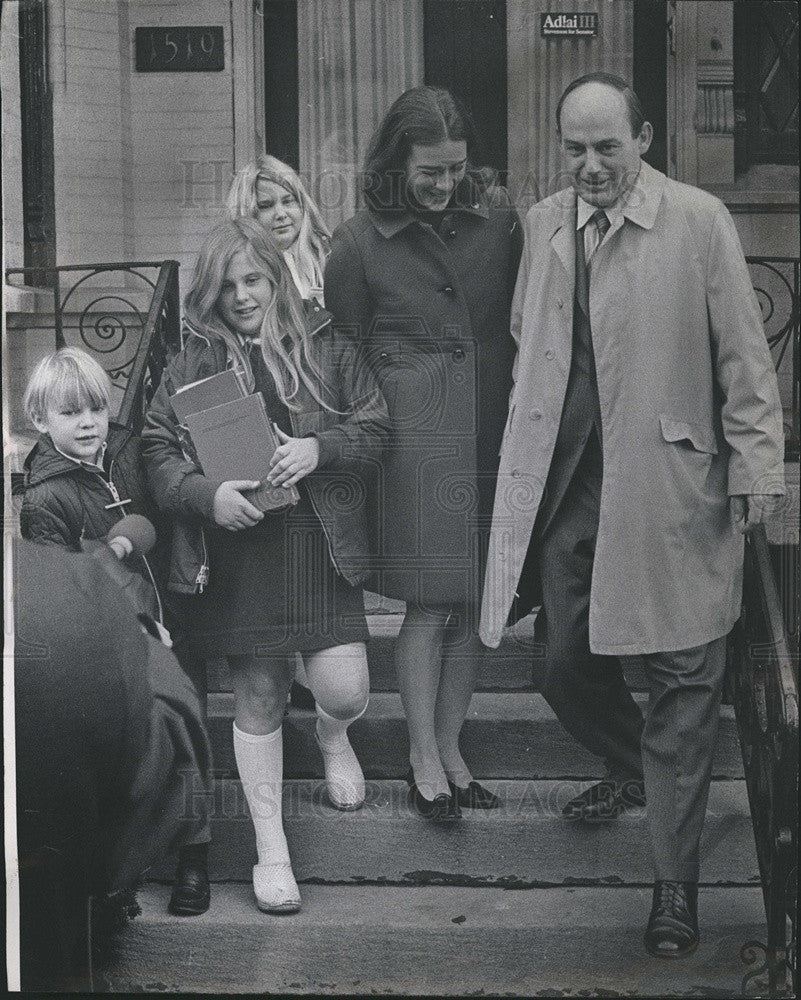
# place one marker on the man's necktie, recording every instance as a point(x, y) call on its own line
point(594, 232)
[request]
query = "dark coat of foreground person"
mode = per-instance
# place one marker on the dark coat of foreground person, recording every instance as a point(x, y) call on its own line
point(110, 750)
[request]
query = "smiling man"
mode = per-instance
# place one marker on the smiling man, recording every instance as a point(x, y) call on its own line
point(644, 437)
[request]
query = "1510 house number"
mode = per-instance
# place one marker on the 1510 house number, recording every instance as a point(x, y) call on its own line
point(179, 50)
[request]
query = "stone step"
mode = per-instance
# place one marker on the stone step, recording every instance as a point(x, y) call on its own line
point(506, 735)
point(432, 941)
point(525, 843)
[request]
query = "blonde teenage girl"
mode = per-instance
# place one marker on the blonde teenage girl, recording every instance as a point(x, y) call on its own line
point(262, 586)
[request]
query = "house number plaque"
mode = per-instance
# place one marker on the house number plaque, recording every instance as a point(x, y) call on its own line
point(179, 50)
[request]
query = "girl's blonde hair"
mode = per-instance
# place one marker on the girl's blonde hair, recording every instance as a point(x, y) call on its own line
point(283, 339)
point(311, 248)
point(68, 379)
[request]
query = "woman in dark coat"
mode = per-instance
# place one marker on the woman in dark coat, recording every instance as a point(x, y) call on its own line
point(424, 277)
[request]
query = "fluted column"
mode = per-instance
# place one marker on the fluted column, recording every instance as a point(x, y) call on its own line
point(355, 57)
point(715, 103)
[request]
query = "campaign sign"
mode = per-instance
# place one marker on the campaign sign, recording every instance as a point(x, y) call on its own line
point(568, 25)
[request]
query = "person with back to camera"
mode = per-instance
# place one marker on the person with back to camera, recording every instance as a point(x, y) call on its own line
point(82, 477)
point(424, 276)
point(260, 586)
point(646, 424)
point(270, 191)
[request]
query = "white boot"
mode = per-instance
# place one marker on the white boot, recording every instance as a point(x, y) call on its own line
point(344, 780)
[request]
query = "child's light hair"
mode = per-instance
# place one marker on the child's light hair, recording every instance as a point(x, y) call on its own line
point(68, 379)
point(285, 345)
point(310, 249)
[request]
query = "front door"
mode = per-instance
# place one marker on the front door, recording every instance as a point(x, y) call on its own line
point(464, 45)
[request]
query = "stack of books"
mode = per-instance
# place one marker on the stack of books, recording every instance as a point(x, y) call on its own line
point(233, 436)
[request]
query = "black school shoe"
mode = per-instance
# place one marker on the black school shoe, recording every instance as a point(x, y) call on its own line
point(191, 893)
point(475, 796)
point(673, 924)
point(443, 808)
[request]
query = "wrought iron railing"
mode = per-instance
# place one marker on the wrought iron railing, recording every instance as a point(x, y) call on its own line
point(763, 666)
point(131, 341)
point(766, 707)
point(776, 283)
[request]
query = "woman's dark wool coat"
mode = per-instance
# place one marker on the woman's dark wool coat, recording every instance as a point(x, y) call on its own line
point(432, 312)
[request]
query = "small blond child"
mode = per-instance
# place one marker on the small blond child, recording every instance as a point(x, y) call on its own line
point(83, 475)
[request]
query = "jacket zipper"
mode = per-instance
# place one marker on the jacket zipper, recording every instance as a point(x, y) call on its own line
point(202, 577)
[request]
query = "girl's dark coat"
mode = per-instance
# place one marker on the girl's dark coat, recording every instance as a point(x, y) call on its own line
point(432, 312)
point(348, 440)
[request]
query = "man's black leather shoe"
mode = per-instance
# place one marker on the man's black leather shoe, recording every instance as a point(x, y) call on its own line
point(605, 801)
point(673, 924)
point(191, 894)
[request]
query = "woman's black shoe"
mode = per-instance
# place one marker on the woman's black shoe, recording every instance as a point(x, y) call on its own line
point(475, 796)
point(442, 807)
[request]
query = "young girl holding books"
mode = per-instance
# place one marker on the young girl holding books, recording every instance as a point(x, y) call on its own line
point(265, 585)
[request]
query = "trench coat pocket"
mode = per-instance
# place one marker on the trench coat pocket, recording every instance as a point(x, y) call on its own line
point(700, 437)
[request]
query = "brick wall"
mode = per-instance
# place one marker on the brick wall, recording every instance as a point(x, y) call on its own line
point(182, 139)
point(143, 160)
point(88, 126)
point(12, 152)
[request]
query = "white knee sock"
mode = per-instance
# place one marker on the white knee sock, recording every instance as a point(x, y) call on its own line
point(260, 762)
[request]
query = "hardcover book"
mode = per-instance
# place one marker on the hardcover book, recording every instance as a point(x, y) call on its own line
point(235, 440)
point(221, 388)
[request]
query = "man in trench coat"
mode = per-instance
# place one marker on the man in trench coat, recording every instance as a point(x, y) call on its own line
point(644, 436)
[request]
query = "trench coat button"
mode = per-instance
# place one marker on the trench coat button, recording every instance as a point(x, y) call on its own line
point(458, 354)
point(535, 415)
point(549, 354)
point(451, 233)
point(448, 290)
point(383, 356)
point(516, 473)
point(560, 303)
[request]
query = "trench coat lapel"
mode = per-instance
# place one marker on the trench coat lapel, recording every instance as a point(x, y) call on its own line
point(563, 237)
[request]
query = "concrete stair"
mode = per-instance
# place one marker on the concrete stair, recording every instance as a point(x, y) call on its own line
point(432, 941)
point(513, 902)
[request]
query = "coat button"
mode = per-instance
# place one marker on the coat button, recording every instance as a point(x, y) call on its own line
point(451, 233)
point(560, 303)
point(448, 290)
point(535, 415)
point(458, 354)
point(516, 473)
point(549, 354)
point(383, 356)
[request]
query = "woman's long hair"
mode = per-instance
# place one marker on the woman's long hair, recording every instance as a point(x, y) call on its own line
point(283, 338)
point(311, 248)
point(424, 116)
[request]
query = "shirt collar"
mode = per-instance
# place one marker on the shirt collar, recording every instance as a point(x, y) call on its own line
point(639, 203)
point(87, 465)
